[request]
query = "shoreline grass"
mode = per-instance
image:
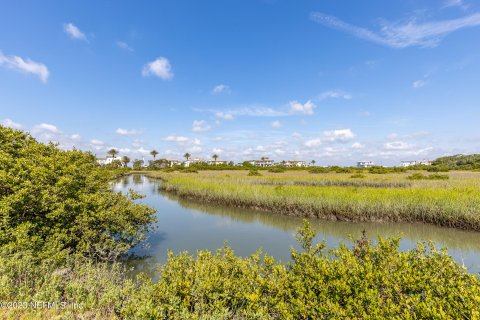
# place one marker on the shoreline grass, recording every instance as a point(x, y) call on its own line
point(388, 197)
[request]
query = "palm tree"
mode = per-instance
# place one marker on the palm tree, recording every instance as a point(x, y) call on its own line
point(215, 157)
point(313, 162)
point(154, 153)
point(112, 152)
point(125, 160)
point(187, 156)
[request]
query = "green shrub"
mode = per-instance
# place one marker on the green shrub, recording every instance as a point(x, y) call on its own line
point(277, 170)
point(435, 176)
point(318, 170)
point(358, 176)
point(438, 169)
point(254, 172)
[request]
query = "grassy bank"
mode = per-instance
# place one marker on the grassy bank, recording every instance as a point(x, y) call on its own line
point(452, 199)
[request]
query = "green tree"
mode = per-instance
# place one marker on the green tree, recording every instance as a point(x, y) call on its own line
point(187, 156)
point(215, 157)
point(313, 162)
point(125, 160)
point(137, 164)
point(113, 152)
point(57, 203)
point(154, 153)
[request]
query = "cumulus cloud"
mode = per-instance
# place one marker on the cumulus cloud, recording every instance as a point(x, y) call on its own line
point(200, 126)
point(126, 132)
point(358, 145)
point(402, 34)
point(276, 124)
point(221, 88)
point(73, 31)
point(338, 135)
point(9, 123)
point(306, 108)
point(313, 143)
point(46, 127)
point(176, 138)
point(159, 67)
point(25, 66)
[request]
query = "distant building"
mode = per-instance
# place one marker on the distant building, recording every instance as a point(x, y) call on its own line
point(409, 163)
point(264, 162)
point(191, 161)
point(172, 162)
point(216, 162)
point(365, 164)
point(426, 163)
point(108, 160)
point(294, 163)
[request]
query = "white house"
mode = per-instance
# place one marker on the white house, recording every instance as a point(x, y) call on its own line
point(426, 163)
point(216, 162)
point(408, 163)
point(191, 161)
point(264, 162)
point(108, 160)
point(365, 164)
point(294, 163)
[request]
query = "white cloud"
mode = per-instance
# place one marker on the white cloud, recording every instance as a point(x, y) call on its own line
point(9, 123)
point(142, 151)
point(296, 134)
point(195, 149)
point(73, 31)
point(26, 66)
point(455, 3)
point(402, 34)
point(398, 145)
point(75, 136)
point(173, 138)
point(200, 126)
point(338, 135)
point(224, 116)
point(418, 84)
point(46, 127)
point(276, 124)
point(217, 151)
point(313, 143)
point(124, 46)
point(306, 108)
point(160, 68)
point(97, 142)
point(358, 145)
point(126, 132)
point(255, 111)
point(221, 88)
point(336, 94)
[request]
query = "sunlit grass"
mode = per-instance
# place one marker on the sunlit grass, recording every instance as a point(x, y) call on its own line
point(377, 197)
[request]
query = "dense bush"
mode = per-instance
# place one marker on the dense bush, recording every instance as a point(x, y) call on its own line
point(365, 281)
point(59, 202)
point(277, 169)
point(435, 176)
point(254, 173)
point(358, 176)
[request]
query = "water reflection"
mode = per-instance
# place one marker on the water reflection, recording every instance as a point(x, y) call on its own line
point(192, 225)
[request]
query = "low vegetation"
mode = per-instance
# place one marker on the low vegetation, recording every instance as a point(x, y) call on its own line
point(451, 200)
point(64, 234)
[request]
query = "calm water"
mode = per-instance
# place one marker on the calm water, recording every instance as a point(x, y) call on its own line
point(188, 225)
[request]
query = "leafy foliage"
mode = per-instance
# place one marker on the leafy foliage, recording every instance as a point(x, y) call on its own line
point(55, 203)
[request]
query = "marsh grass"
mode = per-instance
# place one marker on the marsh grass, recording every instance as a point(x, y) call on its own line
point(378, 197)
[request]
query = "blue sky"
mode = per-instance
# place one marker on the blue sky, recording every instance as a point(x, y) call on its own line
point(334, 81)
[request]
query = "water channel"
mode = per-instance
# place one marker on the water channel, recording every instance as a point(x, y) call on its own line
point(189, 225)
